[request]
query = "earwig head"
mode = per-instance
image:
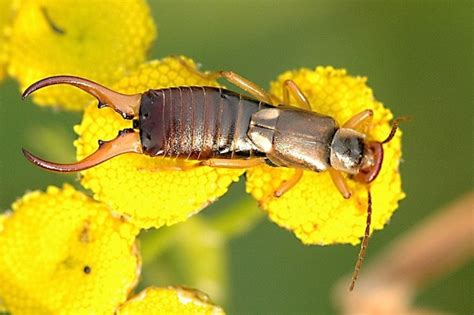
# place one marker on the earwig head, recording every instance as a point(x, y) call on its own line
point(127, 106)
point(371, 163)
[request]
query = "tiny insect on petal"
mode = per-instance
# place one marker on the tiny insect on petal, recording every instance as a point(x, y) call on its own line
point(314, 210)
point(151, 191)
point(171, 300)
point(94, 39)
point(62, 252)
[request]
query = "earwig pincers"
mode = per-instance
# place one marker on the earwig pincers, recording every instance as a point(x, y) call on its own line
point(220, 128)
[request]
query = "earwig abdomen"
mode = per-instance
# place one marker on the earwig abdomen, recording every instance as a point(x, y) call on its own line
point(197, 123)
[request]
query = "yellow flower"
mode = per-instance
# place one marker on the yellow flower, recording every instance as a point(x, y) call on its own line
point(314, 209)
point(155, 301)
point(63, 253)
point(8, 9)
point(3, 218)
point(137, 185)
point(100, 40)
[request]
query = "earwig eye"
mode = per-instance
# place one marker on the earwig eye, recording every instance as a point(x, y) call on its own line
point(136, 124)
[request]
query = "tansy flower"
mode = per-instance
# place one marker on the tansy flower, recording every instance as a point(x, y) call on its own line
point(314, 210)
point(148, 189)
point(62, 252)
point(157, 301)
point(100, 40)
point(8, 9)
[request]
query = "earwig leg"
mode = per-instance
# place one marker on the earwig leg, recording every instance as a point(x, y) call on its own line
point(288, 184)
point(364, 243)
point(340, 183)
point(246, 85)
point(358, 119)
point(290, 86)
point(228, 163)
point(224, 163)
point(237, 80)
point(285, 186)
point(176, 167)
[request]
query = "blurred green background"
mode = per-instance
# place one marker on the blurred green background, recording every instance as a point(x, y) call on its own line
point(418, 58)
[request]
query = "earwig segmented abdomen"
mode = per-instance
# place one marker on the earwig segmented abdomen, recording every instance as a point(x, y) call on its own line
point(197, 123)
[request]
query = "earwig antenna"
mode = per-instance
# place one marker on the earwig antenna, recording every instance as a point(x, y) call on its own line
point(365, 242)
point(395, 124)
point(125, 105)
point(127, 141)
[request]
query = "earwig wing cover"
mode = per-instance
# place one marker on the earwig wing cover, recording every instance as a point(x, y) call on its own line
point(314, 209)
point(147, 189)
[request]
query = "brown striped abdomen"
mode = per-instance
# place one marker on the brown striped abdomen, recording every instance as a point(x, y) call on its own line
point(197, 123)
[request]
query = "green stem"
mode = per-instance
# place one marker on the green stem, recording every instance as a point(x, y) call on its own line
point(238, 219)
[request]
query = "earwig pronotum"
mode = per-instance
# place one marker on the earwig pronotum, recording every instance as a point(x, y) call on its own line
point(220, 128)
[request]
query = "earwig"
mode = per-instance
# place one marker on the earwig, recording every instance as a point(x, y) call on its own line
point(220, 128)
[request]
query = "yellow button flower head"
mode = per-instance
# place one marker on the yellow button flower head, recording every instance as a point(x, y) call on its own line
point(99, 40)
point(3, 218)
point(314, 209)
point(148, 189)
point(8, 9)
point(63, 253)
point(157, 301)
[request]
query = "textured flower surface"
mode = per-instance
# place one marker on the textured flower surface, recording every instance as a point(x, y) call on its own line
point(314, 209)
point(169, 301)
point(148, 189)
point(63, 253)
point(8, 9)
point(99, 40)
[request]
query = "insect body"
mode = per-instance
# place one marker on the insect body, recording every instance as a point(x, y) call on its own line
point(221, 128)
point(203, 123)
point(217, 127)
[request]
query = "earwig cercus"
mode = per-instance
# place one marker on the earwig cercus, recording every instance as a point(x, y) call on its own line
point(220, 128)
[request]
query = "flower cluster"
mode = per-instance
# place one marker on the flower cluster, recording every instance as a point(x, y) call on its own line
point(62, 251)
